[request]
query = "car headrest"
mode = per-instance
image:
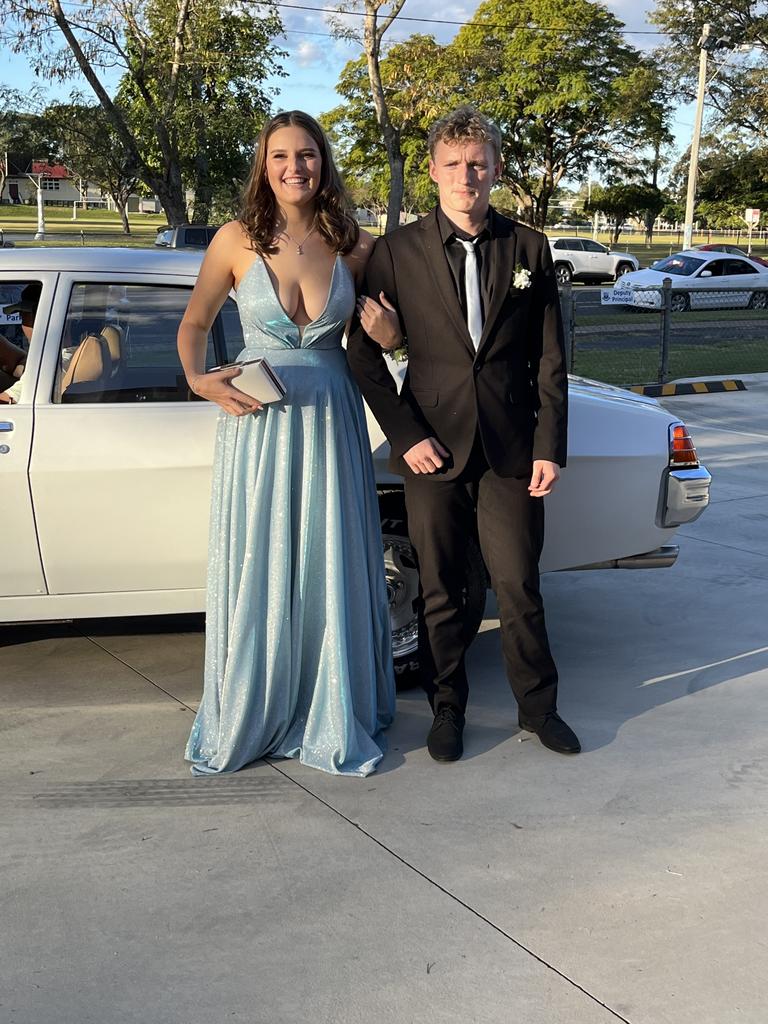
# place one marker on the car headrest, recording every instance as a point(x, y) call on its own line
point(90, 361)
point(113, 335)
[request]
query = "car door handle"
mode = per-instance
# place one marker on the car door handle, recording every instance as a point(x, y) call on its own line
point(5, 426)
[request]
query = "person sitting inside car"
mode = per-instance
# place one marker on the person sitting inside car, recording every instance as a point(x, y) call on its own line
point(13, 360)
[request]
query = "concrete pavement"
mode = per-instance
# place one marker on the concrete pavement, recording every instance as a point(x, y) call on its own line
point(515, 885)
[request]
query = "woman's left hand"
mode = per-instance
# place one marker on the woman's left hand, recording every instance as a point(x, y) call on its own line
point(380, 321)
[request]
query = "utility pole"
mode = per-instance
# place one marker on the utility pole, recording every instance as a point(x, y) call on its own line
point(693, 168)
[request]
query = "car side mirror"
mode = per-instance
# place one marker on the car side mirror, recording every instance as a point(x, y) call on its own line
point(706, 273)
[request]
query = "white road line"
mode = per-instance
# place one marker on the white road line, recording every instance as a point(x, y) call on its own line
point(701, 668)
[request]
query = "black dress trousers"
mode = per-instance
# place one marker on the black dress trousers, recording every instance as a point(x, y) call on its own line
point(509, 525)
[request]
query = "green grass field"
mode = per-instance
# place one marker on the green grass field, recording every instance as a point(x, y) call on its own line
point(100, 227)
point(628, 366)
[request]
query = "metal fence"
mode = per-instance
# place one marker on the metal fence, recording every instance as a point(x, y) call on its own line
point(665, 333)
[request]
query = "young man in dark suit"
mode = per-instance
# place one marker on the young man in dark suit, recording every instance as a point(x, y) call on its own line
point(479, 428)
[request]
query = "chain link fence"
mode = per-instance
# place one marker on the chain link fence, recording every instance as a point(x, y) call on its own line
point(664, 333)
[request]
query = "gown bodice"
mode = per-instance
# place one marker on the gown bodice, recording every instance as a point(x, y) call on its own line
point(266, 325)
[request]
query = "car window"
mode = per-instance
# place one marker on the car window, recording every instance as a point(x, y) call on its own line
point(14, 344)
point(119, 344)
point(739, 267)
point(716, 267)
point(196, 237)
point(680, 266)
point(571, 244)
point(590, 246)
point(233, 332)
point(164, 237)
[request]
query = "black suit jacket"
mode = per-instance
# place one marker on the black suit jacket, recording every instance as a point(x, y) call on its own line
point(513, 389)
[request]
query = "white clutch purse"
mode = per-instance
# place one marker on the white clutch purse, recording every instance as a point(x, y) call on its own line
point(258, 380)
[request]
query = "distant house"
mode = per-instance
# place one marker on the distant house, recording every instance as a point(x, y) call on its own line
point(59, 186)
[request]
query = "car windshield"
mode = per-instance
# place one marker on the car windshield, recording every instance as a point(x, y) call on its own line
point(682, 266)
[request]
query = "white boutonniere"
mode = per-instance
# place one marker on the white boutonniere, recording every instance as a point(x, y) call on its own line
point(522, 278)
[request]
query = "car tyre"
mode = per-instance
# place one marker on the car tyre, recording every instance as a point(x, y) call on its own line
point(563, 273)
point(679, 302)
point(622, 269)
point(759, 300)
point(403, 591)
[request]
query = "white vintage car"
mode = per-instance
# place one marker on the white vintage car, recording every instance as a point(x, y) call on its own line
point(105, 460)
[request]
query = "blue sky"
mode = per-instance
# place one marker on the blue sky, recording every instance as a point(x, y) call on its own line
point(316, 58)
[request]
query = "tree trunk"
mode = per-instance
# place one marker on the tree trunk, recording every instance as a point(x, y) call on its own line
point(396, 187)
point(122, 206)
point(203, 191)
point(372, 45)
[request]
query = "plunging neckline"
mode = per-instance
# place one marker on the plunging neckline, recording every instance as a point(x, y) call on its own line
point(301, 328)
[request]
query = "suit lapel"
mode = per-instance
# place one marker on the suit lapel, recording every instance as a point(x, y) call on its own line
point(435, 258)
point(505, 245)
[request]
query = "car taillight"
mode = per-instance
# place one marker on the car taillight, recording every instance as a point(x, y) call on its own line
point(682, 451)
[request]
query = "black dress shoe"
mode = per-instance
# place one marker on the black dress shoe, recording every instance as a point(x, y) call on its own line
point(444, 741)
point(553, 733)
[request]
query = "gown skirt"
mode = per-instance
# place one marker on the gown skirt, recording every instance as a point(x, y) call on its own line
point(298, 659)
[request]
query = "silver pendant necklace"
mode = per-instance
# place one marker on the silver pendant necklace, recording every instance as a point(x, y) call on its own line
point(299, 245)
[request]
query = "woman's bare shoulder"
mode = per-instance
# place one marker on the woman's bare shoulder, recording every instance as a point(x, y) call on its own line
point(357, 257)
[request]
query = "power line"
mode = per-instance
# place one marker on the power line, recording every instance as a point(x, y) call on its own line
point(461, 24)
point(505, 26)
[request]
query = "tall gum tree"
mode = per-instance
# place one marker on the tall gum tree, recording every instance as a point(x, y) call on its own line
point(154, 44)
point(418, 91)
point(567, 91)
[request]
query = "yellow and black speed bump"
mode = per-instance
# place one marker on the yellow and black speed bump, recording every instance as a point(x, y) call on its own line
point(691, 387)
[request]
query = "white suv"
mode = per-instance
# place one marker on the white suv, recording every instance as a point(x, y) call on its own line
point(582, 259)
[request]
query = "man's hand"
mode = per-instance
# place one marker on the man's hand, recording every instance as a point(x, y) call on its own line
point(545, 476)
point(426, 457)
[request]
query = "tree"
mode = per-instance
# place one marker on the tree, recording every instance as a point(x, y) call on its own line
point(374, 29)
point(738, 92)
point(24, 134)
point(622, 201)
point(564, 87)
point(171, 72)
point(412, 75)
point(89, 146)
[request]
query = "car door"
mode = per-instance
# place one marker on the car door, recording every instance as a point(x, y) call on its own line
point(21, 570)
point(706, 291)
point(570, 249)
point(739, 272)
point(597, 258)
point(120, 471)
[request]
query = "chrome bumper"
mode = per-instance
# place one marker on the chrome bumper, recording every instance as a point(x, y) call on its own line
point(684, 496)
point(661, 558)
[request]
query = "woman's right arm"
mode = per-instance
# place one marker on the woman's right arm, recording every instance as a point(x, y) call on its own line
point(214, 283)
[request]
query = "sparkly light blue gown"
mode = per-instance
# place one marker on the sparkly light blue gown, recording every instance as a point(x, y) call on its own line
point(298, 656)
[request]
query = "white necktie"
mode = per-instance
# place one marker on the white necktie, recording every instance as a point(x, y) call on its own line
point(472, 292)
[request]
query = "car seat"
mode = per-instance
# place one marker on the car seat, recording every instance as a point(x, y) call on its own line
point(88, 372)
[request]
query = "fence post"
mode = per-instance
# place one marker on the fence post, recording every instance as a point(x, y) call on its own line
point(569, 326)
point(666, 323)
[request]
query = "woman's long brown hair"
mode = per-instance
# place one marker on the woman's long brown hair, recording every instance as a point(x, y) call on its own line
point(333, 220)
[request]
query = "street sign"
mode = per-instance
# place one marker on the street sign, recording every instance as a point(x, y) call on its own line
point(752, 216)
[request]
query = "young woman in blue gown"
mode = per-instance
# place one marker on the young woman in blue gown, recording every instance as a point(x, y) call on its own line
point(298, 646)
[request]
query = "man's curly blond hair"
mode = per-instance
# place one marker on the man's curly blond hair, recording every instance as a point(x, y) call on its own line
point(465, 124)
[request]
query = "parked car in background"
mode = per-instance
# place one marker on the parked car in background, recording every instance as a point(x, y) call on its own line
point(734, 250)
point(105, 462)
point(186, 236)
point(700, 280)
point(583, 259)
